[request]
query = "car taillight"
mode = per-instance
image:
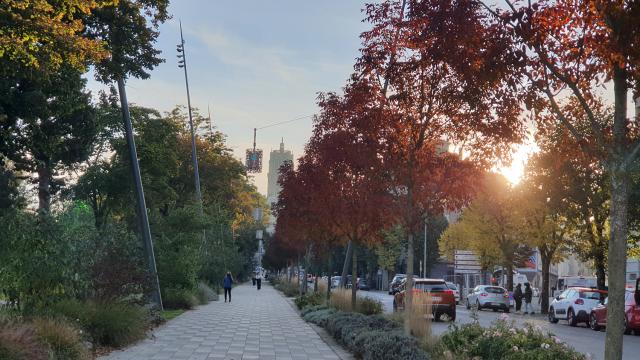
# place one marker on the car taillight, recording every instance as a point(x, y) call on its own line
point(448, 292)
point(484, 294)
point(506, 295)
point(579, 302)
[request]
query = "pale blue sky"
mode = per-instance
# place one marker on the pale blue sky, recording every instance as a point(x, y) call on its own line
point(256, 62)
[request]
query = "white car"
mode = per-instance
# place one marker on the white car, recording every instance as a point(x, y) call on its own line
point(575, 304)
point(456, 292)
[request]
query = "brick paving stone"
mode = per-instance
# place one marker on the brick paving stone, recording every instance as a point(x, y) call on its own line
point(255, 325)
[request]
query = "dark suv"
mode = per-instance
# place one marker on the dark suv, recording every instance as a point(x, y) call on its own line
point(394, 285)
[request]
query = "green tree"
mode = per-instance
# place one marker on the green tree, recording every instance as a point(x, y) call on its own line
point(50, 127)
point(490, 227)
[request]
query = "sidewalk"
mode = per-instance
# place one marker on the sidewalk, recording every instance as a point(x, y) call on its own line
point(256, 325)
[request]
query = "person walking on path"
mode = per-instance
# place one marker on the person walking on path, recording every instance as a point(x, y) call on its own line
point(528, 296)
point(259, 279)
point(517, 297)
point(227, 283)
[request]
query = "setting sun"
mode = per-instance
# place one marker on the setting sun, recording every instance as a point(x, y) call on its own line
point(515, 171)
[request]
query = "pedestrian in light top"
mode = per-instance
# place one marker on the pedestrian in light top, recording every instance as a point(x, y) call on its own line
point(259, 279)
point(227, 282)
point(517, 297)
point(528, 296)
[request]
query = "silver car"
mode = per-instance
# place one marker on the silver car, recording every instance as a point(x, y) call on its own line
point(487, 296)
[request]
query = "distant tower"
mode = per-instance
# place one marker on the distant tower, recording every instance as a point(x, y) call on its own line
point(276, 159)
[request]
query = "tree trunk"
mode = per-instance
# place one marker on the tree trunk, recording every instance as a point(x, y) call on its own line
point(544, 302)
point(601, 272)
point(345, 266)
point(329, 280)
point(44, 187)
point(408, 298)
point(509, 276)
point(354, 276)
point(617, 264)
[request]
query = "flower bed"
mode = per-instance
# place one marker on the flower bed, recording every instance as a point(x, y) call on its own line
point(503, 341)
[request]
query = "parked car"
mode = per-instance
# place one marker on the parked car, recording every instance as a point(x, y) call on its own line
point(362, 285)
point(488, 296)
point(442, 298)
point(598, 316)
point(335, 281)
point(395, 283)
point(575, 304)
point(456, 293)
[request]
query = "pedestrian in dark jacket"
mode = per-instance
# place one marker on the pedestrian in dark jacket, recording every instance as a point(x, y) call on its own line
point(528, 296)
point(227, 283)
point(517, 297)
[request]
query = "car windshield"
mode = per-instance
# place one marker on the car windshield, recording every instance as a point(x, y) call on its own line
point(592, 295)
point(431, 286)
point(494, 290)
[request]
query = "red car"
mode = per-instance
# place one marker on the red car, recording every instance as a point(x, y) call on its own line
point(598, 316)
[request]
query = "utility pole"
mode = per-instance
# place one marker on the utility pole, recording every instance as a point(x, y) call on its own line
point(424, 267)
point(156, 297)
point(182, 63)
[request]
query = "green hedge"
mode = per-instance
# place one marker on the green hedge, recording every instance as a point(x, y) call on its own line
point(367, 336)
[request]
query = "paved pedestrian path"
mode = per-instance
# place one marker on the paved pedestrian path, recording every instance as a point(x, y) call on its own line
point(256, 325)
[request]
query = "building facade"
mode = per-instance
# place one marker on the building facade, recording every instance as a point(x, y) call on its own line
point(276, 159)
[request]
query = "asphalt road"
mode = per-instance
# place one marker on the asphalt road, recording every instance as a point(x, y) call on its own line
point(581, 338)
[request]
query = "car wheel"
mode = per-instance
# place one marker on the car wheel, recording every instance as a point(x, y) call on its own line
point(593, 322)
point(452, 316)
point(495, 310)
point(571, 318)
point(437, 317)
point(507, 310)
point(478, 306)
point(552, 316)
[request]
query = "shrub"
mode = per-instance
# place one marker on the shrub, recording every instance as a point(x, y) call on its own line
point(179, 299)
point(503, 341)
point(113, 324)
point(312, 299)
point(20, 342)
point(368, 306)
point(107, 324)
point(341, 300)
point(389, 346)
point(63, 338)
point(369, 337)
point(290, 289)
point(205, 294)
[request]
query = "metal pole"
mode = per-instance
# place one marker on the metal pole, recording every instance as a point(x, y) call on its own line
point(424, 269)
point(194, 154)
point(254, 139)
point(142, 206)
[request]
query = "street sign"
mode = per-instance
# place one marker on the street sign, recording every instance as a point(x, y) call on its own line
point(466, 271)
point(466, 257)
point(466, 262)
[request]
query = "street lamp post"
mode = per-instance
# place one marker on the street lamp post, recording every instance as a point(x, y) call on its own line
point(182, 63)
point(424, 266)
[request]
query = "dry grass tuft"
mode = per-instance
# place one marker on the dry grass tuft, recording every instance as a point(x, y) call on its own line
point(341, 299)
point(20, 341)
point(63, 338)
point(421, 316)
point(322, 286)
